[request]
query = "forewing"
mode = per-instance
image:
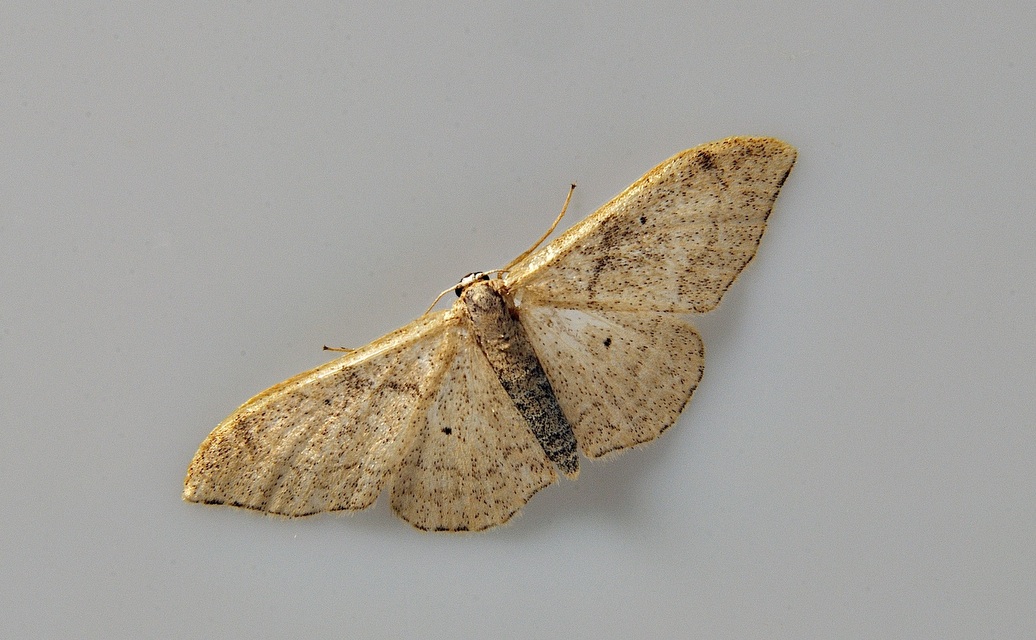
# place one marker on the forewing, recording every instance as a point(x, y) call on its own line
point(622, 378)
point(473, 462)
point(327, 439)
point(673, 241)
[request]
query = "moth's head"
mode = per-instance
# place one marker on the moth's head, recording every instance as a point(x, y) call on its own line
point(469, 280)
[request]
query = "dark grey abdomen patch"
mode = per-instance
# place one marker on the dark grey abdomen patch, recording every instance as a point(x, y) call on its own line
point(502, 339)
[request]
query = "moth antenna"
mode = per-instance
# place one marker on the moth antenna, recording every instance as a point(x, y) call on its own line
point(525, 254)
point(469, 279)
point(438, 298)
point(561, 215)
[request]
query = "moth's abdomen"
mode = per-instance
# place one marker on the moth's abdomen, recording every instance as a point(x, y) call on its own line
point(502, 339)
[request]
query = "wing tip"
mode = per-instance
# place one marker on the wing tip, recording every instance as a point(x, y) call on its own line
point(769, 148)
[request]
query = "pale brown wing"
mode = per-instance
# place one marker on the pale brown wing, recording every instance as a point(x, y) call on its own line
point(327, 439)
point(473, 462)
point(421, 406)
point(622, 378)
point(673, 241)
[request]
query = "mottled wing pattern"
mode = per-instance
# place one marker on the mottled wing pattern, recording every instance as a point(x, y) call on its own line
point(622, 378)
point(327, 439)
point(474, 462)
point(420, 408)
point(601, 303)
point(673, 241)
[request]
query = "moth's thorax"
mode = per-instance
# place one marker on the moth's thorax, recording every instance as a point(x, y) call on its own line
point(480, 294)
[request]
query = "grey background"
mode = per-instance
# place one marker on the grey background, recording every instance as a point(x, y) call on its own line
point(195, 197)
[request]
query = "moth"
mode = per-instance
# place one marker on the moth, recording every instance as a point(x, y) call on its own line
point(465, 413)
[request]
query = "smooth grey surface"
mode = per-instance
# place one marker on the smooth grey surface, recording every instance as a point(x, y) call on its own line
point(194, 198)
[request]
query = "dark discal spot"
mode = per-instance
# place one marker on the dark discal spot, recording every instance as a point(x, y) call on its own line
point(447, 430)
point(327, 401)
point(608, 342)
point(643, 219)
